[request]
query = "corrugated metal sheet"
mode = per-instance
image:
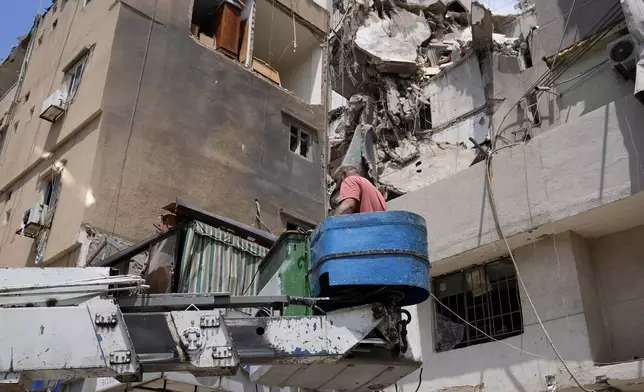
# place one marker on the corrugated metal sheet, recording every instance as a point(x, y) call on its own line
point(214, 260)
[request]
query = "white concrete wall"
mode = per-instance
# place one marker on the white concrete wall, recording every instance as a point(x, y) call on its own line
point(562, 173)
point(549, 268)
point(304, 78)
point(456, 92)
point(549, 271)
point(620, 286)
point(584, 94)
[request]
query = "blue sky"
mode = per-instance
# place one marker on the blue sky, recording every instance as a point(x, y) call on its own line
point(16, 18)
point(501, 6)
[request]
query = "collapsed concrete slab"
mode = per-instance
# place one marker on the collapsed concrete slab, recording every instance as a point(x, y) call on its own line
point(392, 43)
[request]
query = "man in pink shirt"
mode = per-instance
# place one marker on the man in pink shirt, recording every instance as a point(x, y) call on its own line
point(357, 194)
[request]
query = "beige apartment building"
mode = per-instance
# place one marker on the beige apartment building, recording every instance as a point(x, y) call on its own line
point(120, 107)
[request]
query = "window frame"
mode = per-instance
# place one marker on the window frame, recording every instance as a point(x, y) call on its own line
point(532, 110)
point(73, 78)
point(486, 307)
point(300, 130)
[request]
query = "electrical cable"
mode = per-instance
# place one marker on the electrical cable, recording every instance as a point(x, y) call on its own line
point(563, 34)
point(497, 223)
point(577, 54)
point(420, 380)
point(132, 117)
point(581, 74)
point(483, 332)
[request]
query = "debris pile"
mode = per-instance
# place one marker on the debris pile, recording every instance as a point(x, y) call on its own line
point(384, 55)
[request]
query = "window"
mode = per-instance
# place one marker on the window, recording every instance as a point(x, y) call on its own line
point(40, 40)
point(74, 76)
point(298, 226)
point(53, 25)
point(31, 112)
point(6, 218)
point(532, 106)
point(48, 194)
point(295, 222)
point(27, 96)
point(15, 126)
point(54, 8)
point(483, 298)
point(300, 142)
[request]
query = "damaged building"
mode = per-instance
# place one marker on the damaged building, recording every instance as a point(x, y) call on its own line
point(415, 73)
point(111, 110)
point(532, 193)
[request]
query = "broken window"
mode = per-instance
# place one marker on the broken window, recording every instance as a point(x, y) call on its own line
point(532, 109)
point(47, 192)
point(73, 77)
point(477, 305)
point(425, 118)
point(300, 142)
point(264, 38)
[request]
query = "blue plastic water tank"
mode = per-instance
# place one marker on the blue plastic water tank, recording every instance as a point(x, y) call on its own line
point(370, 251)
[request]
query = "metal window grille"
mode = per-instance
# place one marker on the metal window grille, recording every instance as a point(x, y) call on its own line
point(487, 297)
point(532, 106)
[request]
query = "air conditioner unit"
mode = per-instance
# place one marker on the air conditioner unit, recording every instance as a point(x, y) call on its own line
point(54, 106)
point(623, 55)
point(33, 220)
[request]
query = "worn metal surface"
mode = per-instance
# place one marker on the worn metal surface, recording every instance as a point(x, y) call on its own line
point(359, 373)
point(135, 249)
point(65, 342)
point(187, 211)
point(312, 339)
point(203, 301)
point(215, 260)
point(35, 280)
point(284, 270)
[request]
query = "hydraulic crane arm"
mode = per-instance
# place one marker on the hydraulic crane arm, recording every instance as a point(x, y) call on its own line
point(124, 337)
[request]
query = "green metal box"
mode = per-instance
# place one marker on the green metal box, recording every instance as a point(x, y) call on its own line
point(284, 270)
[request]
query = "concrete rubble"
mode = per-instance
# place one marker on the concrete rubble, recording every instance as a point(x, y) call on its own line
point(386, 53)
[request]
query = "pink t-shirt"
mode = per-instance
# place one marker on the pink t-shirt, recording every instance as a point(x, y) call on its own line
point(368, 197)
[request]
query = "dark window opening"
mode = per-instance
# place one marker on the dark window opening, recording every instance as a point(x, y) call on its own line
point(54, 24)
point(48, 192)
point(476, 305)
point(27, 96)
point(300, 142)
point(294, 139)
point(425, 118)
point(297, 226)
